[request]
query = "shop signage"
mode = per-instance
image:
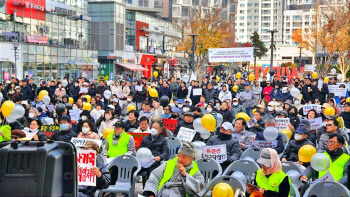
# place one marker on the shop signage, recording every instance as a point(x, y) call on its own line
point(34, 9)
point(59, 8)
point(37, 39)
point(9, 34)
point(65, 11)
point(2, 6)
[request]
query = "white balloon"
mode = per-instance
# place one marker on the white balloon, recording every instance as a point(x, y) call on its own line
point(17, 112)
point(219, 119)
point(144, 155)
point(172, 105)
point(46, 99)
point(198, 148)
point(339, 76)
point(11, 119)
point(295, 92)
point(270, 133)
point(107, 94)
point(64, 83)
point(320, 162)
point(1, 97)
point(197, 125)
point(205, 135)
point(294, 177)
point(239, 176)
point(333, 71)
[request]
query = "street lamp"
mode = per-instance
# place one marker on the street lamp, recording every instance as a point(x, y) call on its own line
point(271, 48)
point(193, 49)
point(15, 47)
point(299, 66)
point(256, 50)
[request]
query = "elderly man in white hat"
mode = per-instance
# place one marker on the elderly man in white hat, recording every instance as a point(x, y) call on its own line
point(177, 177)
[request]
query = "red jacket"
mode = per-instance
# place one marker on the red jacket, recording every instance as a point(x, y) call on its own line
point(266, 93)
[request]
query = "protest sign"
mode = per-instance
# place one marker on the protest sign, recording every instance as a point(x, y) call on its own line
point(148, 164)
point(341, 92)
point(331, 88)
point(341, 108)
point(308, 107)
point(48, 130)
point(138, 138)
point(320, 84)
point(197, 91)
point(265, 144)
point(251, 123)
point(281, 123)
point(42, 106)
point(138, 88)
point(315, 123)
point(79, 142)
point(74, 114)
point(50, 108)
point(326, 177)
point(186, 134)
point(86, 160)
point(170, 124)
point(218, 152)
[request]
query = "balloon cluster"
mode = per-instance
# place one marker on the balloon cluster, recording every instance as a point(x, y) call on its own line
point(205, 125)
point(12, 111)
point(44, 96)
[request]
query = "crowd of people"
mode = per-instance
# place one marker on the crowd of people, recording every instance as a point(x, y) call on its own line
point(130, 108)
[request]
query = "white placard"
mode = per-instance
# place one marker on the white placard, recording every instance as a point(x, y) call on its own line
point(326, 177)
point(138, 88)
point(315, 123)
point(50, 108)
point(148, 164)
point(320, 84)
point(281, 123)
point(186, 134)
point(86, 160)
point(341, 92)
point(79, 142)
point(218, 152)
point(265, 144)
point(244, 54)
point(308, 107)
point(74, 114)
point(197, 91)
point(331, 88)
point(42, 106)
point(251, 123)
point(341, 108)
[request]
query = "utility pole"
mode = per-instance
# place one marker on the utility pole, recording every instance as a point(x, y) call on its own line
point(256, 50)
point(193, 49)
point(299, 65)
point(271, 49)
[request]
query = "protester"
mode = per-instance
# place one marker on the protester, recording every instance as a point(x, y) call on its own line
point(66, 132)
point(244, 137)
point(87, 130)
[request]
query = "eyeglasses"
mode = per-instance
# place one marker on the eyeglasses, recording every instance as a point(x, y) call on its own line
point(328, 125)
point(332, 142)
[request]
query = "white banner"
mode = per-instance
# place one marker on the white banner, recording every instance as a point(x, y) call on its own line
point(78, 142)
point(186, 134)
point(315, 123)
point(341, 92)
point(331, 88)
point(308, 107)
point(86, 160)
point(281, 123)
point(265, 144)
point(218, 152)
point(244, 54)
point(74, 114)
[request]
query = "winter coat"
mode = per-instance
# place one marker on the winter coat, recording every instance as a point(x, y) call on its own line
point(141, 96)
point(182, 93)
point(173, 87)
point(323, 141)
point(307, 96)
point(209, 94)
point(258, 129)
point(244, 137)
point(32, 91)
point(114, 89)
point(165, 92)
point(63, 135)
point(232, 147)
point(286, 96)
point(59, 93)
point(26, 91)
point(158, 146)
point(106, 124)
point(92, 92)
point(125, 90)
point(250, 101)
point(321, 95)
point(197, 136)
point(42, 88)
point(74, 92)
point(267, 92)
point(100, 90)
point(291, 152)
point(238, 108)
point(225, 95)
point(275, 94)
point(227, 115)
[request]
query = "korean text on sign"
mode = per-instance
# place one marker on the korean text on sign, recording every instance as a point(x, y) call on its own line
point(308, 107)
point(170, 124)
point(48, 130)
point(218, 152)
point(186, 134)
point(315, 123)
point(86, 160)
point(281, 123)
point(79, 142)
point(138, 138)
point(265, 144)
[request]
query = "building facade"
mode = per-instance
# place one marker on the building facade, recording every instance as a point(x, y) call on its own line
point(52, 36)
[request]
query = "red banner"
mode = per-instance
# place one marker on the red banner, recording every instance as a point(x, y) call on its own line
point(138, 138)
point(34, 9)
point(37, 39)
point(170, 124)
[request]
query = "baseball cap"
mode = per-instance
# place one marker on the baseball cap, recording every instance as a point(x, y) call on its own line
point(265, 158)
point(247, 84)
point(259, 106)
point(188, 114)
point(304, 123)
point(17, 87)
point(227, 126)
point(24, 103)
point(180, 101)
point(301, 130)
point(115, 100)
point(135, 80)
point(111, 107)
point(44, 82)
point(119, 124)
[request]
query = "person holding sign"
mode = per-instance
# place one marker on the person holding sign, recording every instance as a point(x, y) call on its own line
point(346, 115)
point(271, 122)
point(271, 180)
point(120, 142)
point(338, 159)
point(34, 131)
point(232, 144)
point(187, 123)
point(177, 177)
point(103, 177)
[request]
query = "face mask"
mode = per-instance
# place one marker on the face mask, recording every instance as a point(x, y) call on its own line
point(186, 109)
point(76, 85)
point(154, 131)
point(108, 117)
point(33, 130)
point(174, 116)
point(128, 99)
point(195, 116)
point(297, 137)
point(235, 104)
point(270, 108)
point(284, 91)
point(83, 118)
point(64, 127)
point(291, 114)
point(180, 105)
point(31, 115)
point(217, 104)
point(215, 87)
point(297, 102)
point(324, 124)
point(209, 110)
point(223, 136)
point(85, 130)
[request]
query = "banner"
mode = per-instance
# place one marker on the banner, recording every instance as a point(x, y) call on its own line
point(308, 107)
point(78, 142)
point(74, 114)
point(265, 144)
point(244, 54)
point(315, 123)
point(281, 123)
point(341, 92)
point(138, 138)
point(170, 124)
point(186, 134)
point(86, 160)
point(332, 88)
point(218, 152)
point(48, 130)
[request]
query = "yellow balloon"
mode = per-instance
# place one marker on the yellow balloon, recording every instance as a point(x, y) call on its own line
point(306, 152)
point(314, 75)
point(287, 132)
point(217, 79)
point(87, 106)
point(153, 92)
point(251, 77)
point(209, 122)
point(106, 132)
point(70, 100)
point(148, 88)
point(326, 79)
point(347, 100)
point(131, 107)
point(254, 110)
point(223, 190)
point(42, 93)
point(238, 75)
point(341, 122)
point(155, 73)
point(235, 88)
point(243, 115)
point(88, 98)
point(6, 108)
point(329, 111)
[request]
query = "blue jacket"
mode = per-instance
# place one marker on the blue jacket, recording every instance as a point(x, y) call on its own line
point(26, 91)
point(286, 96)
point(277, 95)
point(279, 148)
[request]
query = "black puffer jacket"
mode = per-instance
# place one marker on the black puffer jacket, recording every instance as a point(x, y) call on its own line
point(158, 145)
point(291, 152)
point(181, 123)
point(227, 115)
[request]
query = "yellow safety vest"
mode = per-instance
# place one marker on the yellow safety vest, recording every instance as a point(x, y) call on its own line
point(169, 170)
point(121, 148)
point(337, 167)
point(273, 182)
